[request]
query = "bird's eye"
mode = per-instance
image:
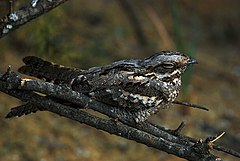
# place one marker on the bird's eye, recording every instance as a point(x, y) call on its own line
point(168, 65)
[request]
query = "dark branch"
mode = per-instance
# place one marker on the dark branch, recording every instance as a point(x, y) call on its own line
point(190, 105)
point(10, 6)
point(179, 129)
point(146, 133)
point(25, 14)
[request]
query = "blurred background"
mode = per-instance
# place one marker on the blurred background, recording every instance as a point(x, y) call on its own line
point(90, 33)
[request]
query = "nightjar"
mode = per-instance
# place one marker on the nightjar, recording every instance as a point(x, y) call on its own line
point(142, 86)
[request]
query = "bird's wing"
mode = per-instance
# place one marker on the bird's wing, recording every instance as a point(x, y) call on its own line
point(39, 68)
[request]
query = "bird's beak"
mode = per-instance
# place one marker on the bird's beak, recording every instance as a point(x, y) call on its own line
point(192, 61)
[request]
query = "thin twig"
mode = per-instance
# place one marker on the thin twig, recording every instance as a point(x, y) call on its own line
point(218, 137)
point(191, 105)
point(210, 143)
point(11, 5)
point(179, 129)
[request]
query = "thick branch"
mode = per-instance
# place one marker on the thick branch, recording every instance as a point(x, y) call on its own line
point(26, 14)
point(147, 133)
point(110, 126)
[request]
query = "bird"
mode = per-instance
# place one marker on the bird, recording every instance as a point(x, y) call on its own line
point(141, 86)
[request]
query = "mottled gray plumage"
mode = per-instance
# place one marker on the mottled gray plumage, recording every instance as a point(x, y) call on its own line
point(142, 86)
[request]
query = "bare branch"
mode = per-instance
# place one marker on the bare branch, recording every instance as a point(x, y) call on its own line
point(190, 105)
point(146, 133)
point(25, 14)
point(179, 129)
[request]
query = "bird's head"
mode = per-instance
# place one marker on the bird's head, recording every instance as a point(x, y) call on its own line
point(168, 62)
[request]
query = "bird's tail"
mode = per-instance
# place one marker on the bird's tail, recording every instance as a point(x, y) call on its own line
point(22, 110)
point(39, 68)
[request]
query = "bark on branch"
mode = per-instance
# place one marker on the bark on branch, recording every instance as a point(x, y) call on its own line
point(53, 98)
point(25, 14)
